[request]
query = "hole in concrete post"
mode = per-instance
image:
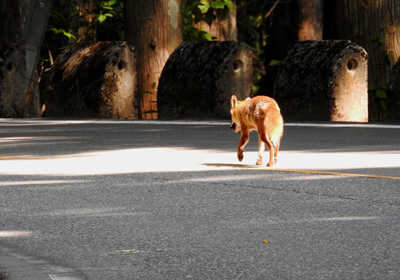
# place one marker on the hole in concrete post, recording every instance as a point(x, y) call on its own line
point(352, 64)
point(121, 65)
point(237, 65)
point(10, 67)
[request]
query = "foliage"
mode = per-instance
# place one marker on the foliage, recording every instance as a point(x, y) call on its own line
point(82, 19)
point(254, 24)
point(378, 94)
point(194, 11)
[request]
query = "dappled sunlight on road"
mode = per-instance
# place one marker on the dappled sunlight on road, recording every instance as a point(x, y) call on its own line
point(38, 182)
point(112, 162)
point(339, 160)
point(183, 159)
point(15, 233)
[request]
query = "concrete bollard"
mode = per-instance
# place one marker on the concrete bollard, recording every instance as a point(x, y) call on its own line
point(94, 81)
point(325, 81)
point(199, 79)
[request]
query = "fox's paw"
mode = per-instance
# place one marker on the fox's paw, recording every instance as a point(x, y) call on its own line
point(271, 163)
point(240, 156)
point(259, 161)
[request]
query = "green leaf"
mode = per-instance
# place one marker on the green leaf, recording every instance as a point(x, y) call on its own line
point(204, 6)
point(205, 35)
point(65, 33)
point(206, 3)
point(69, 35)
point(147, 92)
point(203, 9)
point(389, 57)
point(218, 4)
point(274, 62)
point(381, 93)
point(228, 4)
point(153, 86)
point(379, 38)
point(383, 104)
point(101, 18)
point(255, 89)
point(150, 112)
point(371, 87)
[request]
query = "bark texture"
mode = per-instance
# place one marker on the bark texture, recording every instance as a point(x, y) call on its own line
point(11, 12)
point(153, 27)
point(19, 91)
point(323, 80)
point(199, 79)
point(310, 19)
point(393, 105)
point(12, 81)
point(93, 81)
point(223, 27)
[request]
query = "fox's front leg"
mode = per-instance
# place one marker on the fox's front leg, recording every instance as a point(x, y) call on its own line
point(261, 148)
point(242, 143)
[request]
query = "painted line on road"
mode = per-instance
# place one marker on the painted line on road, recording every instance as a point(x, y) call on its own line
point(318, 172)
point(336, 173)
point(23, 157)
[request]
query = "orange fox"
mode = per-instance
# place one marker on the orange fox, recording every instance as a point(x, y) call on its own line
point(260, 113)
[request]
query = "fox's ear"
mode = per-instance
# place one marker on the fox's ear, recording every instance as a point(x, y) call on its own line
point(233, 101)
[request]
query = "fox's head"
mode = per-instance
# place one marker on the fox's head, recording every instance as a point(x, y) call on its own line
point(235, 125)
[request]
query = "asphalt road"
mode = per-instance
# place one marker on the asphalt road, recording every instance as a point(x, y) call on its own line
point(155, 200)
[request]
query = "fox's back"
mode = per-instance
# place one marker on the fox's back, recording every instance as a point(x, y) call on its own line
point(267, 113)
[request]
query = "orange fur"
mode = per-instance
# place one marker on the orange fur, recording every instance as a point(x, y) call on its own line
point(262, 114)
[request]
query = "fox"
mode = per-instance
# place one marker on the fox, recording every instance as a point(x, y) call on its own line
point(260, 113)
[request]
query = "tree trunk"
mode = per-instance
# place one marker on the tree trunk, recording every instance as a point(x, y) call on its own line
point(11, 21)
point(223, 27)
point(22, 26)
point(12, 60)
point(393, 105)
point(310, 19)
point(373, 24)
point(12, 81)
point(82, 9)
point(153, 27)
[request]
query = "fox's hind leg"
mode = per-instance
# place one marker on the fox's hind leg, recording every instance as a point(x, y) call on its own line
point(271, 149)
point(263, 136)
point(261, 149)
point(276, 152)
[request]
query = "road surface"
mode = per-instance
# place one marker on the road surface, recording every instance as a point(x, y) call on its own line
point(169, 200)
